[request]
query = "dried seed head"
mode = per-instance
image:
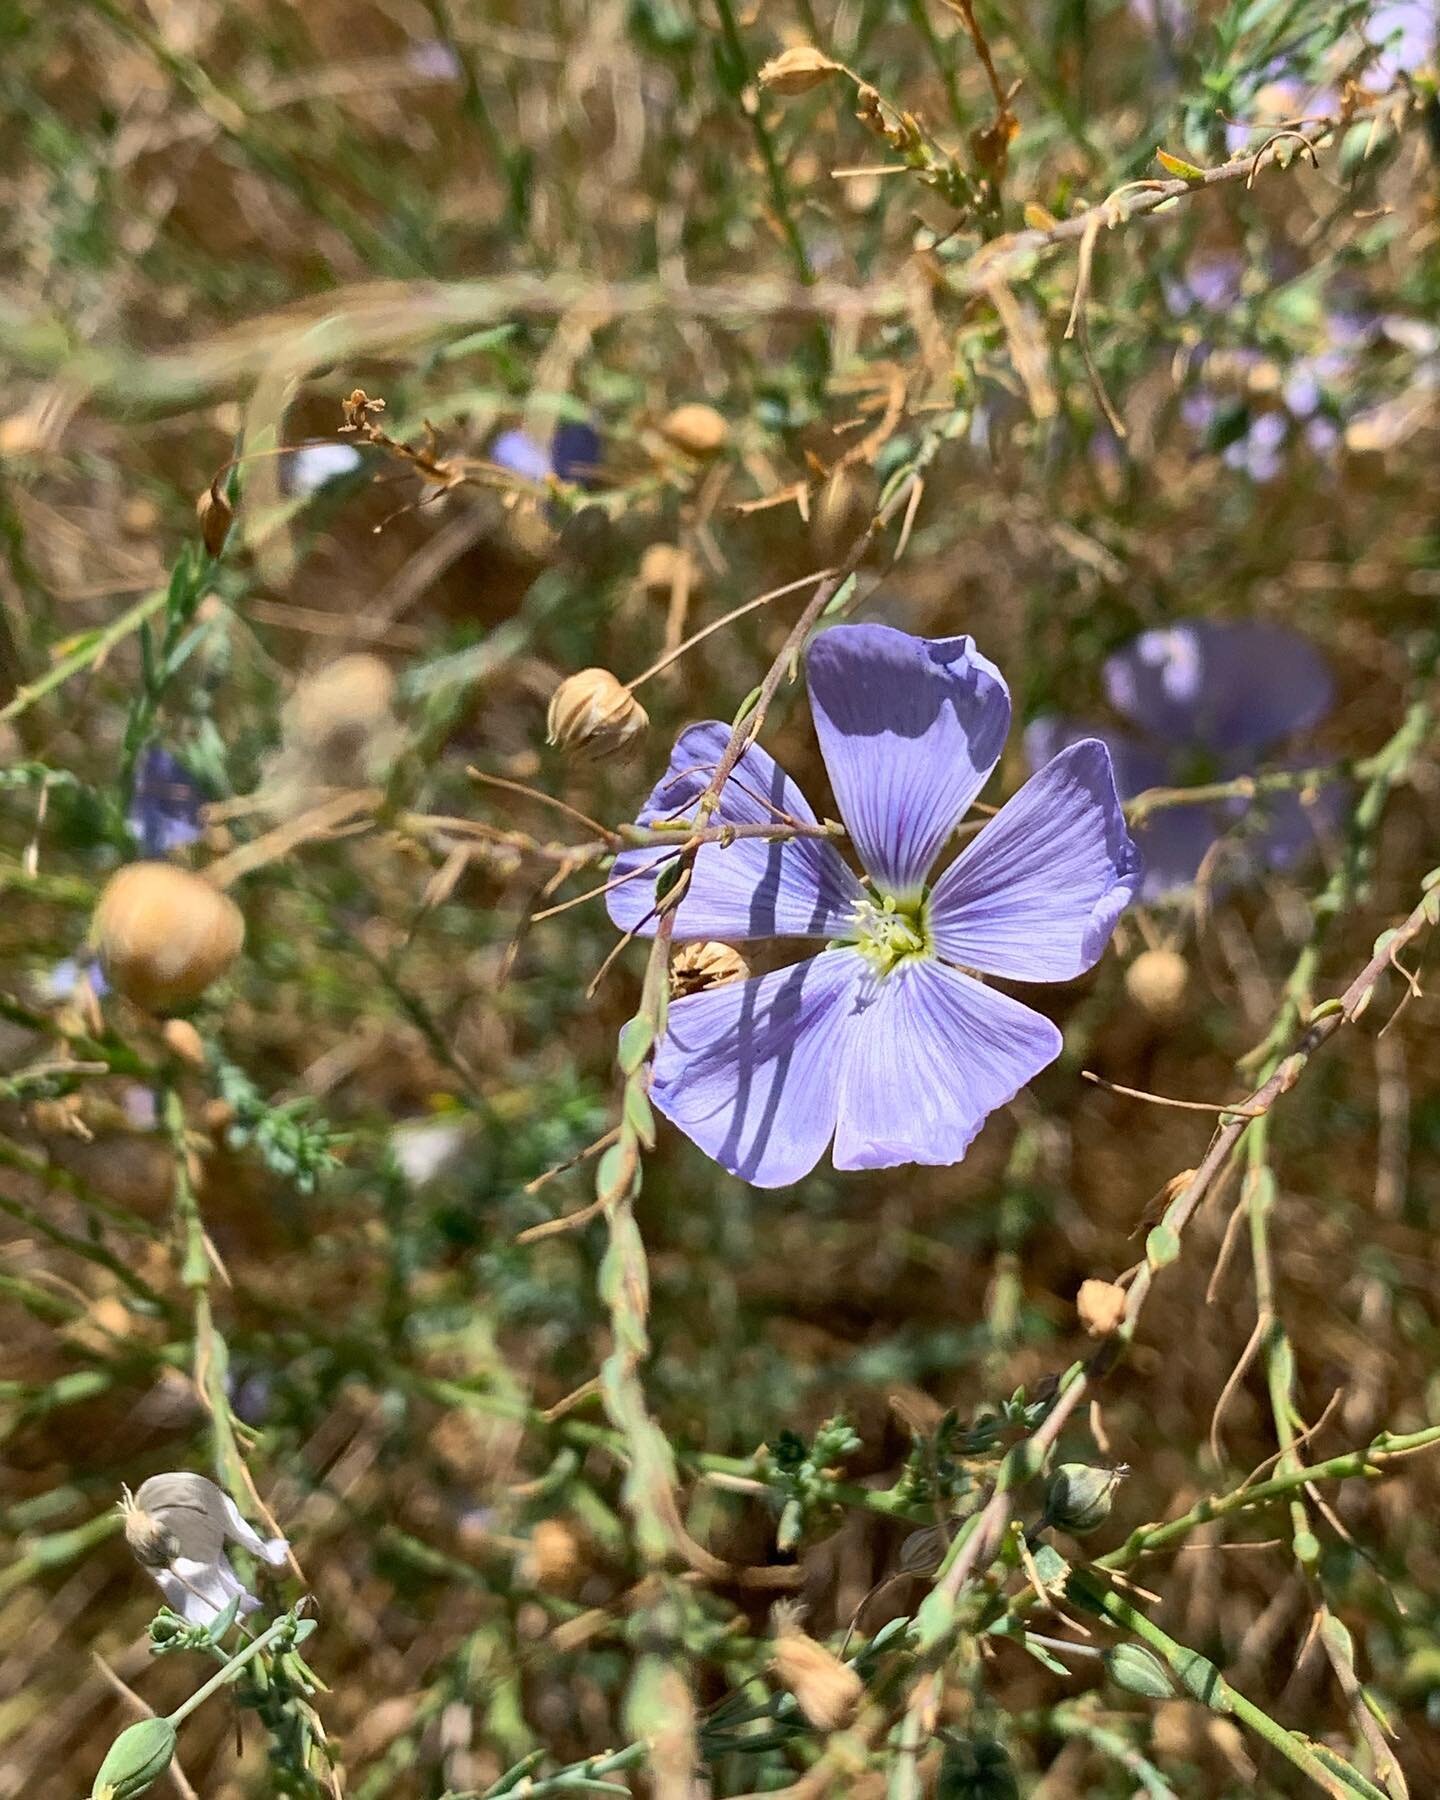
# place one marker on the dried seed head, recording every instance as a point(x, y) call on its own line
point(696, 429)
point(1101, 1306)
point(826, 1690)
point(164, 934)
point(1156, 982)
point(338, 722)
point(705, 965)
point(664, 565)
point(797, 71)
point(216, 516)
point(591, 713)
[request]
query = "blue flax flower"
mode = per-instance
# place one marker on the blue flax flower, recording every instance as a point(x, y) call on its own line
point(165, 805)
point(573, 455)
point(1209, 700)
point(884, 1040)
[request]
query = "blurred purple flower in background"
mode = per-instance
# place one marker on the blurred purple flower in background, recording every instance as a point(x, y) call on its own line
point(165, 805)
point(1210, 700)
point(573, 455)
point(880, 1040)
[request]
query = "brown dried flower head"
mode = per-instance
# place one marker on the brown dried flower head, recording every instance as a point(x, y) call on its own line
point(695, 967)
point(826, 1690)
point(797, 71)
point(696, 429)
point(593, 714)
point(164, 934)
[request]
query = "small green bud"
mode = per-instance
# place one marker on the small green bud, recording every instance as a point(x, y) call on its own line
point(1133, 1668)
point(1079, 1498)
point(139, 1756)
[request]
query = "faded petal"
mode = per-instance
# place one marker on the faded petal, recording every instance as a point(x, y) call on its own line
point(910, 729)
point(751, 1070)
point(933, 1054)
point(200, 1591)
point(1225, 687)
point(517, 451)
point(270, 1550)
point(1036, 895)
point(753, 888)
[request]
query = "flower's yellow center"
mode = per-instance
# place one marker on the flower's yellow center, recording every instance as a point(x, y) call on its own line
point(890, 932)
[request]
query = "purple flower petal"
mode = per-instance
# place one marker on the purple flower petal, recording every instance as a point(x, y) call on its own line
point(1226, 687)
point(751, 1071)
point(934, 1053)
point(165, 804)
point(1036, 895)
point(575, 451)
point(1174, 843)
point(910, 729)
point(517, 451)
point(753, 888)
point(1135, 765)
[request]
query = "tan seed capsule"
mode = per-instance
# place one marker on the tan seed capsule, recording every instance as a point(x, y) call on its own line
point(350, 697)
point(1101, 1306)
point(695, 967)
point(216, 515)
point(696, 429)
point(663, 565)
point(826, 1690)
point(592, 714)
point(164, 934)
point(183, 1041)
point(552, 1558)
point(1156, 982)
point(797, 71)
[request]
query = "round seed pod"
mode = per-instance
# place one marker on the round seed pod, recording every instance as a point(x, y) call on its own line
point(349, 698)
point(164, 934)
point(705, 965)
point(591, 713)
point(1079, 1498)
point(696, 429)
point(1100, 1306)
point(1156, 982)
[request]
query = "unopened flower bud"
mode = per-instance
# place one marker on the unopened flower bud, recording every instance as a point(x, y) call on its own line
point(164, 934)
point(826, 1690)
point(1156, 982)
point(1101, 1306)
point(1132, 1667)
point(663, 565)
point(136, 1760)
point(591, 713)
point(216, 515)
point(696, 429)
point(797, 71)
point(1079, 1498)
point(842, 508)
point(705, 965)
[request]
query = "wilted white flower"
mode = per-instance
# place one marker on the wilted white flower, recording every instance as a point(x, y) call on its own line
point(176, 1526)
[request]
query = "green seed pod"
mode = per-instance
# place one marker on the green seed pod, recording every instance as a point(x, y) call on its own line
point(1133, 1668)
point(1079, 1498)
point(138, 1757)
point(976, 1769)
